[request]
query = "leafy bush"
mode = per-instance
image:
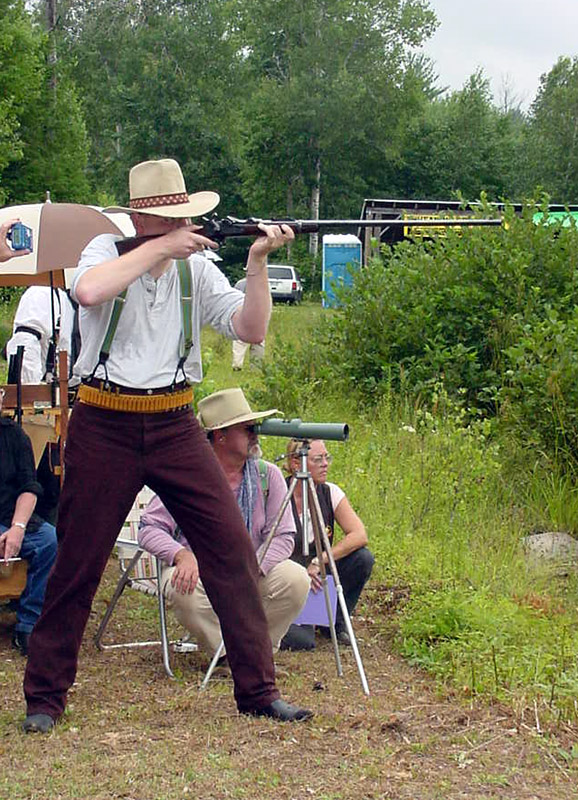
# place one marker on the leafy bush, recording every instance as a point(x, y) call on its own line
point(448, 308)
point(469, 310)
point(541, 398)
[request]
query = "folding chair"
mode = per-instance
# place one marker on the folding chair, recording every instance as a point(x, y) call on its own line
point(140, 570)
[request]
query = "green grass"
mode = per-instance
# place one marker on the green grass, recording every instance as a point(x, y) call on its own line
point(289, 324)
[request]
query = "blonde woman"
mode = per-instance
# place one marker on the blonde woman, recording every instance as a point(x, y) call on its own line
point(353, 559)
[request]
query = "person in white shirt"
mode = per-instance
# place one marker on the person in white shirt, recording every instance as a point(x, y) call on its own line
point(142, 310)
point(43, 316)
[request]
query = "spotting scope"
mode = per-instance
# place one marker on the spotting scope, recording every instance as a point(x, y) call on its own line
point(297, 429)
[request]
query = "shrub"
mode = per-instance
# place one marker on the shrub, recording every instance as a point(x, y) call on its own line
point(540, 399)
point(448, 308)
point(469, 310)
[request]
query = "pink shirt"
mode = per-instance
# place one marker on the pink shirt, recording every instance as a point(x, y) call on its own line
point(157, 527)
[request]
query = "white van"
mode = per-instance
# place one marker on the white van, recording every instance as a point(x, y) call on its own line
point(284, 283)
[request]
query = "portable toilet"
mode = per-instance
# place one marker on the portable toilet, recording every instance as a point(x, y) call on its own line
point(341, 256)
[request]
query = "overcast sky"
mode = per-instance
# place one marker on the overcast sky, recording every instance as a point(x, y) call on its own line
point(514, 41)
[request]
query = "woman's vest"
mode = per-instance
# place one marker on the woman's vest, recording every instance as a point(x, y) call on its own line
point(324, 495)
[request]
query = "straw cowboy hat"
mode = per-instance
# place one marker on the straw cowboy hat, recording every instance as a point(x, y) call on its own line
point(226, 408)
point(158, 188)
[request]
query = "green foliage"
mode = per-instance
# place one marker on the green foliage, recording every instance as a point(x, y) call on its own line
point(462, 144)
point(9, 296)
point(489, 315)
point(21, 78)
point(551, 498)
point(273, 104)
point(492, 644)
point(552, 141)
point(43, 143)
point(157, 79)
point(541, 397)
point(320, 68)
point(55, 150)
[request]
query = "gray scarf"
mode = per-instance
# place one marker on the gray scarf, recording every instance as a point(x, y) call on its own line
point(247, 492)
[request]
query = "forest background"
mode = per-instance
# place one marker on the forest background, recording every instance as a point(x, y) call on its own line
point(454, 360)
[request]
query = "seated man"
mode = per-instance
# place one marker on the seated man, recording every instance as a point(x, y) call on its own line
point(260, 489)
point(22, 532)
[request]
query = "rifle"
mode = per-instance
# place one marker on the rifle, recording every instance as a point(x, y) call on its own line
point(220, 229)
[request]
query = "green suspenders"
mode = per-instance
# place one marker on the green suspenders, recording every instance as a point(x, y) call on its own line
point(186, 302)
point(262, 465)
point(186, 284)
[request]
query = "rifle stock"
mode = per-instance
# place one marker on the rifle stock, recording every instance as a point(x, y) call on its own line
point(218, 229)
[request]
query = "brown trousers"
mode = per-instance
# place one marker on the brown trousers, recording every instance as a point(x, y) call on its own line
point(109, 456)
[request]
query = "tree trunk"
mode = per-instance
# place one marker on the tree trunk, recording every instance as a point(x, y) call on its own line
point(117, 138)
point(290, 214)
point(315, 196)
point(51, 29)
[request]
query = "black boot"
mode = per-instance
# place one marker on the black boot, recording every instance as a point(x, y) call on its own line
point(20, 641)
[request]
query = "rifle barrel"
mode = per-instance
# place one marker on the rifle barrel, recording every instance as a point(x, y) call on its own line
point(308, 225)
point(432, 223)
point(221, 229)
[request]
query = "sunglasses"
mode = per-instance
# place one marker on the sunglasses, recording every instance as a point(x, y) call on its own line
point(250, 428)
point(318, 460)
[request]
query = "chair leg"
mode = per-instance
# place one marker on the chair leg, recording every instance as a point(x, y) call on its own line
point(124, 579)
point(163, 621)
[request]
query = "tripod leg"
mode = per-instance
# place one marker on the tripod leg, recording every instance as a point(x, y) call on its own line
point(338, 586)
point(212, 665)
point(318, 526)
point(262, 554)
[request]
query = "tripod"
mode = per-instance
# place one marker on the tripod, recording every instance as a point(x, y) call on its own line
point(311, 512)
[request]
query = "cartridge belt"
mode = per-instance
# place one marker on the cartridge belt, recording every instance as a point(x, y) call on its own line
point(137, 401)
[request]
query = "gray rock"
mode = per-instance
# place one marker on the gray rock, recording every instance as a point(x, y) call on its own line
point(552, 546)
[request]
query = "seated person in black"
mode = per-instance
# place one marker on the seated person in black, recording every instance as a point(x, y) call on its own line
point(353, 559)
point(22, 532)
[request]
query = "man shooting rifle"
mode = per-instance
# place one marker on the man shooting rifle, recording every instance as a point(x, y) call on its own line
point(141, 316)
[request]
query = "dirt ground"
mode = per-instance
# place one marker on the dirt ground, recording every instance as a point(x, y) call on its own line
point(131, 733)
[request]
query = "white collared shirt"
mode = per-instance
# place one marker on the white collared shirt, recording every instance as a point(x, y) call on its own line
point(35, 311)
point(146, 347)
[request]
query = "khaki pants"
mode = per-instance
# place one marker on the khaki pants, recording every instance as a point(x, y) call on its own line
point(283, 593)
point(240, 349)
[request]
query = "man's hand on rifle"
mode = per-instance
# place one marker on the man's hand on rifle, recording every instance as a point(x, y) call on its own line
point(274, 237)
point(183, 242)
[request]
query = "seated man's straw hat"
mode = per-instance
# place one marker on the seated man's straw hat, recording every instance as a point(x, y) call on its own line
point(158, 188)
point(228, 407)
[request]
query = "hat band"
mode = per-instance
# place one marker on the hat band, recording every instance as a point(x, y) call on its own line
point(159, 200)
